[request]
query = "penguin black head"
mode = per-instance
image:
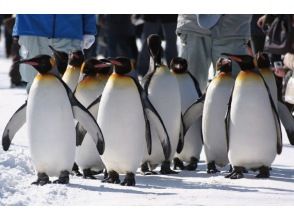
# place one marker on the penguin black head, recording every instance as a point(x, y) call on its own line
point(224, 65)
point(92, 66)
point(76, 58)
point(61, 59)
point(263, 60)
point(42, 63)
point(122, 65)
point(154, 45)
point(245, 62)
point(179, 65)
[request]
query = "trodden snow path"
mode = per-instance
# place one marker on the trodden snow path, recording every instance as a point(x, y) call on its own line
point(186, 188)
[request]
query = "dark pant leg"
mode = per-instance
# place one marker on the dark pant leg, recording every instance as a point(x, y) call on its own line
point(169, 32)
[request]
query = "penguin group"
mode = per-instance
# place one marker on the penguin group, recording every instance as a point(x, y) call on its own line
point(97, 116)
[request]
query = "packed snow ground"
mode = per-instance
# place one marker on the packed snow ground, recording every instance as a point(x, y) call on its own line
point(186, 188)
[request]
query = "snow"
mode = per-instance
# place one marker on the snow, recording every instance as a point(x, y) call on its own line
point(186, 188)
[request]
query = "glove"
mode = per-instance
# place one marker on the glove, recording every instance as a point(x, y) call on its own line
point(87, 41)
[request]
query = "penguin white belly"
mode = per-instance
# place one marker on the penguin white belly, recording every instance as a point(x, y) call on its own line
point(164, 94)
point(71, 77)
point(87, 155)
point(50, 126)
point(252, 127)
point(122, 122)
point(193, 140)
point(213, 123)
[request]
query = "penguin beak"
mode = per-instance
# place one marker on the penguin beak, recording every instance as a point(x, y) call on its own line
point(55, 52)
point(233, 57)
point(29, 62)
point(102, 65)
point(115, 62)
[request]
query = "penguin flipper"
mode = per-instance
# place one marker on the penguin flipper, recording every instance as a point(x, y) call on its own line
point(228, 119)
point(14, 124)
point(89, 123)
point(80, 130)
point(193, 113)
point(181, 137)
point(82, 115)
point(154, 118)
point(196, 84)
point(287, 120)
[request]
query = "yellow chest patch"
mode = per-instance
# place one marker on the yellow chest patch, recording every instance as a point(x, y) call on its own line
point(247, 77)
point(121, 81)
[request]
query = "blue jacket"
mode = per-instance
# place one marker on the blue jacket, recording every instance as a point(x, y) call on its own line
point(55, 25)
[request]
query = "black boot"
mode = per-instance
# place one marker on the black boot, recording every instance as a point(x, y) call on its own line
point(129, 180)
point(165, 168)
point(145, 170)
point(178, 164)
point(63, 178)
point(43, 179)
point(87, 174)
point(192, 165)
point(112, 177)
point(237, 173)
point(75, 170)
point(264, 172)
point(211, 168)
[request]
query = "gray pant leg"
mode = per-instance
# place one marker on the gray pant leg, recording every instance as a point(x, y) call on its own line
point(233, 46)
point(196, 50)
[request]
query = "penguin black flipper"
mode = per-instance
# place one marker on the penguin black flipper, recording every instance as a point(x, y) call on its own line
point(153, 117)
point(85, 118)
point(276, 117)
point(181, 137)
point(80, 130)
point(146, 80)
point(193, 113)
point(16, 121)
point(196, 84)
point(228, 119)
point(287, 120)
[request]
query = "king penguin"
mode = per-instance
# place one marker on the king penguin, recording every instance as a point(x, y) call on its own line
point(125, 115)
point(163, 91)
point(215, 105)
point(61, 59)
point(252, 124)
point(190, 92)
point(49, 112)
point(89, 92)
point(72, 74)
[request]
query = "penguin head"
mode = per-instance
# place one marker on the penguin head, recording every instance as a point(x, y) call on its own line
point(76, 58)
point(93, 66)
point(245, 62)
point(122, 65)
point(224, 65)
point(154, 46)
point(42, 63)
point(61, 59)
point(179, 65)
point(263, 60)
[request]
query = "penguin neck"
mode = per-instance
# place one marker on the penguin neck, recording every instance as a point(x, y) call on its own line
point(154, 63)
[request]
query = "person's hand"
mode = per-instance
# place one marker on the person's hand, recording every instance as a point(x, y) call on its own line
point(87, 41)
point(260, 22)
point(289, 61)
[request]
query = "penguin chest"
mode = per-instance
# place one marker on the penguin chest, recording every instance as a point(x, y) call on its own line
point(50, 126)
point(213, 124)
point(71, 77)
point(122, 122)
point(193, 140)
point(252, 127)
point(164, 94)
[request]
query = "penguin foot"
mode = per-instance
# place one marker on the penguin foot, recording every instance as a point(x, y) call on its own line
point(178, 164)
point(237, 173)
point(211, 168)
point(264, 172)
point(42, 180)
point(165, 168)
point(88, 174)
point(129, 180)
point(94, 172)
point(192, 165)
point(112, 177)
point(75, 170)
point(230, 169)
point(105, 174)
point(63, 178)
point(146, 171)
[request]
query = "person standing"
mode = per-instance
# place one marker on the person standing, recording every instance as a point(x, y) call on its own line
point(205, 37)
point(62, 32)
